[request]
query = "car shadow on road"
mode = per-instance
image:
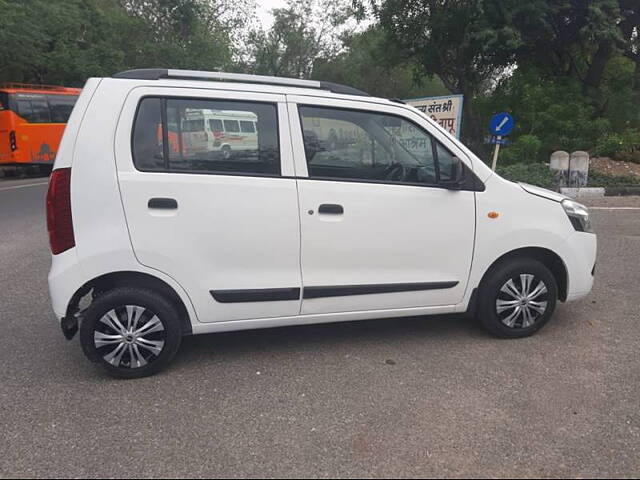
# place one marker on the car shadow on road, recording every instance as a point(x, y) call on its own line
point(328, 337)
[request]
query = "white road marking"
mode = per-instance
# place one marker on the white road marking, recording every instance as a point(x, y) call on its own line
point(23, 186)
point(613, 208)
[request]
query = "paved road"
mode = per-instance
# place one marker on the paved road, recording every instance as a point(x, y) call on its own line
point(412, 397)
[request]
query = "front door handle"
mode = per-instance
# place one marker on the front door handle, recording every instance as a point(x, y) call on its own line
point(331, 209)
point(163, 203)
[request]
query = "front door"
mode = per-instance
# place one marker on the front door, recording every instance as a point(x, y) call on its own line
point(378, 232)
point(225, 227)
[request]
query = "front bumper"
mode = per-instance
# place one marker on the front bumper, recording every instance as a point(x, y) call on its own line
point(579, 255)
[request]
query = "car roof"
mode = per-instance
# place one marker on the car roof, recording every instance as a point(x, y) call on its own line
point(246, 82)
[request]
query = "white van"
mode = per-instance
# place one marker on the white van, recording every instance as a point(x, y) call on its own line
point(394, 218)
point(205, 133)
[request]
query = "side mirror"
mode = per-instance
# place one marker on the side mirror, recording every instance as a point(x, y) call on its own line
point(454, 176)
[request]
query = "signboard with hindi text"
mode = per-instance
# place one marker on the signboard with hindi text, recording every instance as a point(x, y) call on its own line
point(446, 110)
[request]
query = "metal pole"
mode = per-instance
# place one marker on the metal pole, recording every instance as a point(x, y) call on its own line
point(495, 153)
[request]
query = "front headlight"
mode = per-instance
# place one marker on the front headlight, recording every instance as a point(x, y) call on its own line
point(578, 214)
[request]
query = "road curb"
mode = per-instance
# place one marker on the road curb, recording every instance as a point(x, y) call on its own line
point(599, 192)
point(584, 192)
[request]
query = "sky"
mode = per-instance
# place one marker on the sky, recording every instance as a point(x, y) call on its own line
point(264, 9)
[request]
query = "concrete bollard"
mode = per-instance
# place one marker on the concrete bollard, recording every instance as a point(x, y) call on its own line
point(559, 165)
point(578, 169)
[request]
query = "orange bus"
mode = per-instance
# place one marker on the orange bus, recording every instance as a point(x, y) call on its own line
point(32, 120)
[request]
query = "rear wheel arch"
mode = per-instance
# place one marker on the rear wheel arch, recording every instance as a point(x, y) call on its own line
point(110, 281)
point(547, 257)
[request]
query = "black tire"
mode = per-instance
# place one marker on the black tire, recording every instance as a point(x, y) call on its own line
point(226, 152)
point(490, 294)
point(148, 356)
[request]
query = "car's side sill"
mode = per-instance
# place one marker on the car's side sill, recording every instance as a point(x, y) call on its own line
point(250, 324)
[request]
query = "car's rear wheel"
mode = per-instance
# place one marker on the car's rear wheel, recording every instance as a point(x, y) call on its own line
point(517, 298)
point(131, 332)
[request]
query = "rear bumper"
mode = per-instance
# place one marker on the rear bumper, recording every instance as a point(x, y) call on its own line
point(64, 279)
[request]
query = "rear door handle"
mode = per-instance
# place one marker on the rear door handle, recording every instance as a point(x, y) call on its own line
point(163, 203)
point(331, 209)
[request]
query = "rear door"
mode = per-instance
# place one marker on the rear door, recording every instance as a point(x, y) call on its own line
point(378, 230)
point(225, 228)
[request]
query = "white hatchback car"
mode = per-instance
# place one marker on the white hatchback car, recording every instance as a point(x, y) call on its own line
point(348, 207)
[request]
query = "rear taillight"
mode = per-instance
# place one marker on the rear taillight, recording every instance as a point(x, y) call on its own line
point(59, 221)
point(12, 141)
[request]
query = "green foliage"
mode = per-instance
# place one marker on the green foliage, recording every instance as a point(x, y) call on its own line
point(290, 46)
point(465, 43)
point(616, 100)
point(577, 63)
point(460, 41)
point(609, 145)
point(369, 64)
point(302, 32)
point(600, 180)
point(554, 111)
point(565, 37)
point(623, 146)
point(526, 149)
point(67, 41)
point(532, 173)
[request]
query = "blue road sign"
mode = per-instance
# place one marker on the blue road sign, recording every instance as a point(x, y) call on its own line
point(501, 124)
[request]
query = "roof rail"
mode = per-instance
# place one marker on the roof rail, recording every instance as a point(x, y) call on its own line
point(158, 73)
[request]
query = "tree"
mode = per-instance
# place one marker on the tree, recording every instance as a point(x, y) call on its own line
point(368, 63)
point(463, 42)
point(301, 32)
point(56, 42)
point(630, 29)
point(190, 33)
point(573, 38)
point(66, 41)
point(583, 42)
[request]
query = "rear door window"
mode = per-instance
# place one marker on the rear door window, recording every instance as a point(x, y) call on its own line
point(169, 135)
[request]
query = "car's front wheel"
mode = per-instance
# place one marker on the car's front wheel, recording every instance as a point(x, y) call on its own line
point(517, 298)
point(131, 332)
